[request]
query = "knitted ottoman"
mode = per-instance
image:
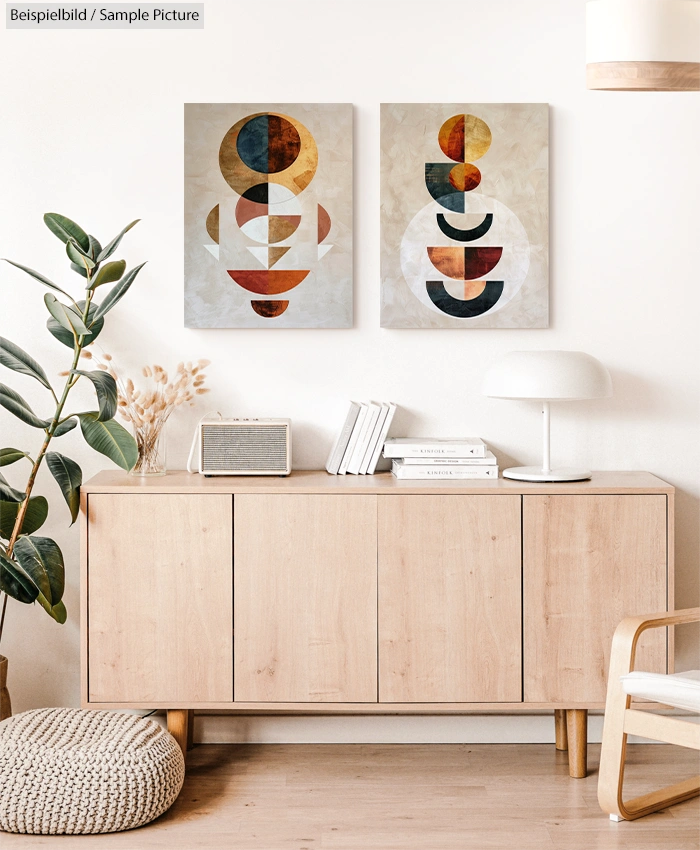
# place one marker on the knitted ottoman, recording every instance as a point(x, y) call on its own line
point(64, 770)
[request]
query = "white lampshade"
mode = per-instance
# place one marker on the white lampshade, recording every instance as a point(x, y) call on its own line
point(643, 45)
point(548, 376)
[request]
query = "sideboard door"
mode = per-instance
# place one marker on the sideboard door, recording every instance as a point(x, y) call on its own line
point(159, 599)
point(305, 598)
point(589, 561)
point(449, 599)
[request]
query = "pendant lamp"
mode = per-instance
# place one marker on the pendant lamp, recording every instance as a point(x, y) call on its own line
point(643, 45)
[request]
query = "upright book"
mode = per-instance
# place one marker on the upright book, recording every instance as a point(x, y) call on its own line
point(376, 453)
point(373, 410)
point(341, 441)
point(354, 437)
point(429, 447)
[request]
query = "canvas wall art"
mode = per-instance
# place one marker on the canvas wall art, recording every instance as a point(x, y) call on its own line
point(268, 215)
point(465, 222)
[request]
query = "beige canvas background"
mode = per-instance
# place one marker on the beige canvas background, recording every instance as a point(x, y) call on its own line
point(515, 171)
point(324, 298)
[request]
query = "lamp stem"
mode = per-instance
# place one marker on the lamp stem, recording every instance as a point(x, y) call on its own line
point(545, 437)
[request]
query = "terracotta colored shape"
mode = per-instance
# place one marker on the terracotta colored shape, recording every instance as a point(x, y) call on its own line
point(269, 309)
point(324, 224)
point(465, 263)
point(268, 282)
point(247, 210)
point(465, 177)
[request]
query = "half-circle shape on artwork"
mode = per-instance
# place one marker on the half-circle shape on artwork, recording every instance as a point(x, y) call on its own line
point(268, 282)
point(470, 235)
point(442, 299)
point(465, 263)
point(269, 309)
point(437, 181)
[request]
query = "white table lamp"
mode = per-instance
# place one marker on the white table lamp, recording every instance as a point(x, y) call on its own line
point(547, 376)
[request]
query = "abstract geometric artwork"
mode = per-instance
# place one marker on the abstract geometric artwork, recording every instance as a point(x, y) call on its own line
point(268, 215)
point(465, 245)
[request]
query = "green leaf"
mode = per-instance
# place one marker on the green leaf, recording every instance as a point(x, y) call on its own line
point(65, 426)
point(42, 560)
point(8, 493)
point(106, 389)
point(39, 277)
point(95, 247)
point(65, 336)
point(80, 269)
point(114, 244)
point(108, 273)
point(8, 456)
point(57, 611)
point(15, 358)
point(34, 518)
point(75, 255)
point(15, 583)
point(14, 402)
point(69, 477)
point(118, 292)
point(65, 316)
point(66, 229)
point(110, 439)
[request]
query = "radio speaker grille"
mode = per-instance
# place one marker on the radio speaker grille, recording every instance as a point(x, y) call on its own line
point(244, 448)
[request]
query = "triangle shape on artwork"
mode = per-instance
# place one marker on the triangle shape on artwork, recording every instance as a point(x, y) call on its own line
point(323, 250)
point(213, 250)
point(275, 254)
point(260, 255)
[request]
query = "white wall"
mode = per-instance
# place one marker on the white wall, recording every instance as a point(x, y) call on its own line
point(92, 127)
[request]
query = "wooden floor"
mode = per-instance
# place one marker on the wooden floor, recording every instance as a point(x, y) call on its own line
point(402, 797)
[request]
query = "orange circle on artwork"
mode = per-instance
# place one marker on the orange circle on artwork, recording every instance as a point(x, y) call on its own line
point(464, 138)
point(465, 177)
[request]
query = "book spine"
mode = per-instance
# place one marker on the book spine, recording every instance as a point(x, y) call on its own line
point(418, 473)
point(489, 460)
point(354, 437)
point(407, 450)
point(382, 437)
point(374, 437)
point(336, 455)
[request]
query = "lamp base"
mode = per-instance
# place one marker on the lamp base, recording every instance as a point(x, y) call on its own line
point(536, 473)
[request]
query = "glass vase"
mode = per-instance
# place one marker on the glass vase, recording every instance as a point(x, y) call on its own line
point(151, 445)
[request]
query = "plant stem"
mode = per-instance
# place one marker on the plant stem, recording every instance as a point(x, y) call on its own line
point(70, 382)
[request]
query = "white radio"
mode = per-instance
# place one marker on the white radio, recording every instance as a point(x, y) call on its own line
point(243, 447)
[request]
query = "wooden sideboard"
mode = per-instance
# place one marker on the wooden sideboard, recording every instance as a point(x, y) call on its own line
point(364, 594)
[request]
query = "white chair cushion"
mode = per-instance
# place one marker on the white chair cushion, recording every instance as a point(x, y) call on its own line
point(680, 690)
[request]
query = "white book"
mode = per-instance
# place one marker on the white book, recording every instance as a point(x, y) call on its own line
point(382, 437)
point(488, 460)
point(335, 457)
point(358, 455)
point(429, 447)
point(444, 473)
point(374, 438)
point(357, 427)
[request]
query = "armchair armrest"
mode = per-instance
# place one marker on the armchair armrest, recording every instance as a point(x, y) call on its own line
point(624, 643)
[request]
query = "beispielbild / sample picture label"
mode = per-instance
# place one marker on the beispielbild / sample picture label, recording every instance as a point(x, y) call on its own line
point(104, 16)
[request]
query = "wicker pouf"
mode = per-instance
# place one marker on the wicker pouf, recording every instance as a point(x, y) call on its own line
point(68, 771)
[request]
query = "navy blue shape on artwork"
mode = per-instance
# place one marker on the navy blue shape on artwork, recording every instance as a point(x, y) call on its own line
point(437, 181)
point(252, 143)
point(465, 235)
point(442, 299)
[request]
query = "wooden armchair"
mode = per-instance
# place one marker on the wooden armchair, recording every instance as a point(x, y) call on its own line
point(679, 691)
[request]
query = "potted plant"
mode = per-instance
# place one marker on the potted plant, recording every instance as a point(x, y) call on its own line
point(31, 566)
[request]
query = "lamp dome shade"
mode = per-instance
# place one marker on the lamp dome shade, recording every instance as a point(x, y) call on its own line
point(548, 376)
point(643, 45)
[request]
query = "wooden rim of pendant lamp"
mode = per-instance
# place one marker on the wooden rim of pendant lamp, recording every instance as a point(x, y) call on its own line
point(643, 45)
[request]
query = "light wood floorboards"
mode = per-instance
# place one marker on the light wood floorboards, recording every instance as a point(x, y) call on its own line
point(403, 797)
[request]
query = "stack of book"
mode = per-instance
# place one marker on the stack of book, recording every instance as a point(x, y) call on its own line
point(358, 446)
point(415, 459)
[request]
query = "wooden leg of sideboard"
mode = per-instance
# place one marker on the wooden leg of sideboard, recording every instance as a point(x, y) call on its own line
point(190, 728)
point(560, 736)
point(577, 734)
point(177, 726)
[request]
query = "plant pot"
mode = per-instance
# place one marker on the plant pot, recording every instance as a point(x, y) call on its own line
point(5, 706)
